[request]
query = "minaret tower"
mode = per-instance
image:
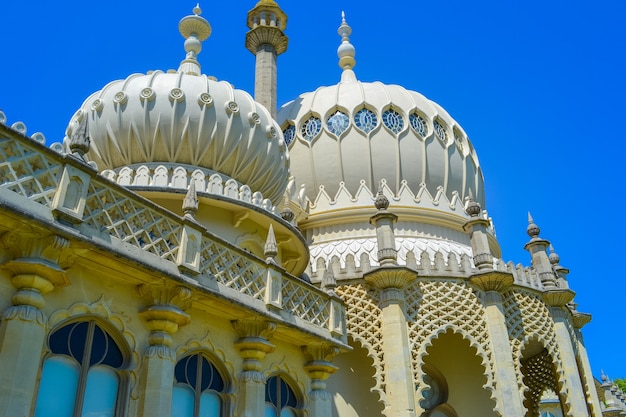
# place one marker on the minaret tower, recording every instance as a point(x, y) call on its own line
point(266, 40)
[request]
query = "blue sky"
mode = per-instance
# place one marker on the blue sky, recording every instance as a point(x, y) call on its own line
point(539, 87)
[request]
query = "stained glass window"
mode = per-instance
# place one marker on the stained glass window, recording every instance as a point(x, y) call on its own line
point(289, 134)
point(311, 128)
point(393, 120)
point(418, 123)
point(365, 120)
point(338, 123)
point(440, 131)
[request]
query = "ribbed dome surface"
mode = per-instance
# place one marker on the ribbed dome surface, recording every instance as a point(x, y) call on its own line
point(180, 118)
point(183, 118)
point(356, 131)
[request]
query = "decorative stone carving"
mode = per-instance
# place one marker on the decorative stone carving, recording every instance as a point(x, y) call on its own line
point(164, 315)
point(69, 199)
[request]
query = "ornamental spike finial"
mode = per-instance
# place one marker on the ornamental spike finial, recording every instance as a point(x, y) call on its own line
point(271, 248)
point(346, 51)
point(194, 29)
point(554, 257)
point(190, 202)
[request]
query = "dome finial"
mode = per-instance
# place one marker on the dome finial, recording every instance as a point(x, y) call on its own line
point(194, 29)
point(346, 51)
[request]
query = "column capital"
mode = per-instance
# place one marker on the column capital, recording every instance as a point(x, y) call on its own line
point(164, 315)
point(385, 277)
point(492, 281)
point(558, 297)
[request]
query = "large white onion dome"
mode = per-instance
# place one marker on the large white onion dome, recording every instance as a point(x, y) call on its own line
point(162, 121)
point(349, 141)
point(358, 133)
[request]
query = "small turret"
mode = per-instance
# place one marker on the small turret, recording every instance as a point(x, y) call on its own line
point(266, 40)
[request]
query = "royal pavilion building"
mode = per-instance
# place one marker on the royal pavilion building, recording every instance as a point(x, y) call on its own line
point(191, 251)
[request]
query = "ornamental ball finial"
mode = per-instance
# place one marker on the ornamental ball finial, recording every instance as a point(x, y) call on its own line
point(473, 208)
point(197, 10)
point(532, 229)
point(346, 51)
point(554, 258)
point(381, 202)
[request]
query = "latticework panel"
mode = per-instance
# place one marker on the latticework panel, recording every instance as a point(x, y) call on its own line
point(300, 300)
point(363, 323)
point(538, 376)
point(28, 172)
point(435, 306)
point(528, 318)
point(232, 269)
point(131, 221)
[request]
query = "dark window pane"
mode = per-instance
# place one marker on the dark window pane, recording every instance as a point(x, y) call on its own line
point(78, 336)
point(59, 341)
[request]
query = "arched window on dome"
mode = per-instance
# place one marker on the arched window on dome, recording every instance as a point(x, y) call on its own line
point(393, 121)
point(198, 388)
point(311, 128)
point(440, 131)
point(458, 140)
point(365, 120)
point(82, 375)
point(289, 133)
point(418, 123)
point(338, 123)
point(280, 398)
point(547, 414)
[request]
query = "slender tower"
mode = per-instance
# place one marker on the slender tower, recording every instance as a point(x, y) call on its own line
point(266, 40)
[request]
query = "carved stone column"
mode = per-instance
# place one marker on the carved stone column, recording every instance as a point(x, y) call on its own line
point(399, 385)
point(23, 330)
point(493, 284)
point(579, 320)
point(575, 393)
point(319, 368)
point(164, 316)
point(253, 345)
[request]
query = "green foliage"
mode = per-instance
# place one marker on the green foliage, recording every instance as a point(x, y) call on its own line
point(621, 383)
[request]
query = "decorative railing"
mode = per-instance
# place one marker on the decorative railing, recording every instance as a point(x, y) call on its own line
point(99, 208)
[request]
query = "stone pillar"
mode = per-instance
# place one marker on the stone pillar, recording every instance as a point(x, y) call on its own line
point(399, 384)
point(23, 330)
point(266, 41)
point(576, 394)
point(319, 368)
point(164, 316)
point(587, 376)
point(253, 345)
point(508, 394)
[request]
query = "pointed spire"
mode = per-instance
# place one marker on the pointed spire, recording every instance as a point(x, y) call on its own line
point(195, 29)
point(532, 229)
point(329, 283)
point(271, 248)
point(190, 202)
point(346, 51)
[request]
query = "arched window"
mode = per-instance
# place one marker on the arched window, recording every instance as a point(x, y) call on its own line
point(280, 399)
point(81, 377)
point(547, 414)
point(197, 388)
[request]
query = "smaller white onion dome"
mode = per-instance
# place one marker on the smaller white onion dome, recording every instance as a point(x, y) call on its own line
point(355, 134)
point(184, 118)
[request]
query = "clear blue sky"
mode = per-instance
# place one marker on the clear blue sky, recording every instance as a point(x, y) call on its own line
point(539, 86)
